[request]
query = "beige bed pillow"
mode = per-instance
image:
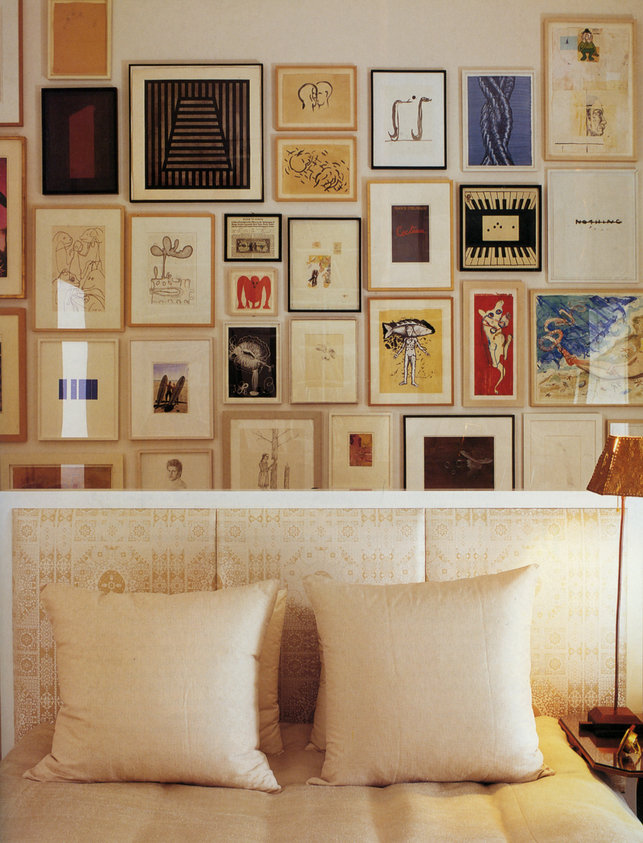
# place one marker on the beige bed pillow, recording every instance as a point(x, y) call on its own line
point(269, 731)
point(428, 681)
point(158, 687)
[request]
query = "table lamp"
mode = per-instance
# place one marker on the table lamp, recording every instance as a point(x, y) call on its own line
point(619, 471)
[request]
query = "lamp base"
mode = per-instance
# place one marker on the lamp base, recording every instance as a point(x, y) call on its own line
point(606, 720)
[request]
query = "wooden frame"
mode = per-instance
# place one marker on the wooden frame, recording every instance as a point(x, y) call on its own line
point(398, 329)
point(11, 63)
point(79, 140)
point(171, 270)
point(494, 329)
point(78, 389)
point(323, 361)
point(560, 450)
point(78, 268)
point(252, 237)
point(410, 235)
point(253, 370)
point(359, 451)
point(171, 389)
point(592, 224)
point(315, 97)
point(315, 168)
point(275, 451)
point(498, 116)
point(230, 97)
point(13, 374)
point(586, 348)
point(500, 227)
point(589, 91)
point(76, 469)
point(174, 469)
point(408, 119)
point(79, 34)
point(459, 452)
point(324, 264)
point(252, 291)
point(12, 217)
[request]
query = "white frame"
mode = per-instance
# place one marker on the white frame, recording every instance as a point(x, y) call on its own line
point(343, 389)
point(249, 398)
point(570, 468)
point(342, 475)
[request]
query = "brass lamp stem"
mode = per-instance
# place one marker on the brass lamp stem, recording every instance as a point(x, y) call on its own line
point(618, 602)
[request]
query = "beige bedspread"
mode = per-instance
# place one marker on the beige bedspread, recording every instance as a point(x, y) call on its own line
point(569, 806)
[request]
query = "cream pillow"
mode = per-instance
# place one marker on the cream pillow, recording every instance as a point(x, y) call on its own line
point(269, 730)
point(428, 681)
point(158, 687)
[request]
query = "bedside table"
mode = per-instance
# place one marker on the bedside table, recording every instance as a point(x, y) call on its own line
point(600, 754)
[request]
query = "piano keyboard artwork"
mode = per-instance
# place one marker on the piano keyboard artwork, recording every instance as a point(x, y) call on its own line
point(500, 227)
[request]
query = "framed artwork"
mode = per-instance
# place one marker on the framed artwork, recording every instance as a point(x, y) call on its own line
point(78, 389)
point(589, 88)
point(411, 351)
point(408, 119)
point(175, 470)
point(410, 231)
point(276, 451)
point(61, 470)
point(172, 107)
point(79, 39)
point(360, 451)
point(78, 270)
point(253, 373)
point(500, 227)
point(592, 225)
point(252, 291)
point(312, 168)
point(171, 389)
point(586, 348)
point(560, 450)
point(624, 427)
point(323, 361)
point(457, 453)
point(315, 97)
point(79, 140)
point(493, 337)
point(498, 119)
point(252, 237)
point(324, 264)
point(12, 217)
point(171, 270)
point(13, 374)
point(11, 63)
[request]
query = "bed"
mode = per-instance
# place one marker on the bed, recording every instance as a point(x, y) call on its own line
point(295, 587)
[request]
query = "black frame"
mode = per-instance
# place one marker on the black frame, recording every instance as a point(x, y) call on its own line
point(251, 256)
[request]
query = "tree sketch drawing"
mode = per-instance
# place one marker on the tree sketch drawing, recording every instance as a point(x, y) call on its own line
point(78, 265)
point(164, 287)
point(269, 469)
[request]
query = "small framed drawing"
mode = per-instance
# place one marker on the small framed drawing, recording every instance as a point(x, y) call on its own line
point(323, 361)
point(411, 351)
point(494, 329)
point(276, 451)
point(252, 237)
point(592, 225)
point(13, 374)
point(11, 63)
point(589, 96)
point(324, 264)
point(171, 108)
point(79, 39)
point(459, 452)
point(410, 232)
point(79, 140)
point(498, 119)
point(500, 227)
point(175, 470)
point(78, 273)
point(624, 427)
point(360, 451)
point(171, 389)
point(171, 270)
point(315, 97)
point(252, 291)
point(408, 119)
point(78, 389)
point(315, 168)
point(61, 470)
point(560, 450)
point(586, 348)
point(253, 373)
point(12, 217)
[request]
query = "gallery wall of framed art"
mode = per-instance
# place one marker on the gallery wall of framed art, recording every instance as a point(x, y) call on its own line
point(408, 244)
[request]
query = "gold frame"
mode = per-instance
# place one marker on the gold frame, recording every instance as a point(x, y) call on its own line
point(13, 337)
point(300, 177)
point(341, 105)
point(74, 32)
